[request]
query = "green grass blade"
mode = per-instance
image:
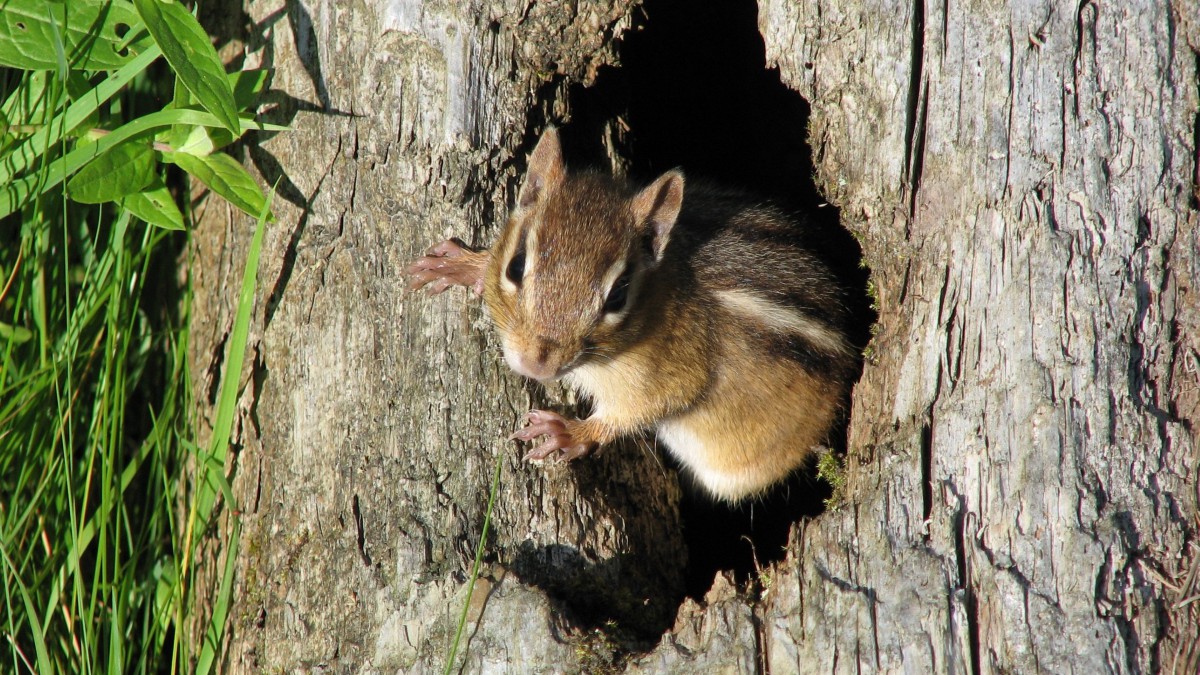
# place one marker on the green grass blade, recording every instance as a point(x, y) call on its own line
point(192, 57)
point(39, 639)
point(222, 427)
point(216, 629)
point(487, 521)
point(33, 147)
point(60, 50)
point(227, 399)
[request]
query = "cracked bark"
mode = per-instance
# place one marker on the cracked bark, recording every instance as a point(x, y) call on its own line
point(1022, 467)
point(1021, 464)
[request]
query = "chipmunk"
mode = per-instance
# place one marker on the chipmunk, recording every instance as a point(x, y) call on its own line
point(681, 309)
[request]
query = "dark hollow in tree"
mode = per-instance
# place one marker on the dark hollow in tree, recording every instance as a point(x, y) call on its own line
point(693, 91)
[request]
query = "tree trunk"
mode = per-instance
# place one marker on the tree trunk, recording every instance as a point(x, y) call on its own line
point(1021, 467)
point(1022, 475)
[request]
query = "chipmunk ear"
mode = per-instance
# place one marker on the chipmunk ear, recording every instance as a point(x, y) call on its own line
point(545, 172)
point(657, 208)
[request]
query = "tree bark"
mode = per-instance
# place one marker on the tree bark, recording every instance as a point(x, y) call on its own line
point(1022, 474)
point(1022, 464)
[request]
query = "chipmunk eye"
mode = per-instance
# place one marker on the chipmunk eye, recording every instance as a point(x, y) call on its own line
point(516, 267)
point(618, 295)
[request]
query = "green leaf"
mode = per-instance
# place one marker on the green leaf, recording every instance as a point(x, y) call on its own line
point(124, 170)
point(192, 57)
point(247, 85)
point(93, 34)
point(14, 193)
point(15, 334)
point(155, 206)
point(196, 142)
point(225, 176)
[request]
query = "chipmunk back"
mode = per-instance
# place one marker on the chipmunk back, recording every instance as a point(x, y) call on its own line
point(681, 309)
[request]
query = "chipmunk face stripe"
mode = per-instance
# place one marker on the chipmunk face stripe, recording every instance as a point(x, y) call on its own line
point(782, 319)
point(530, 241)
point(612, 277)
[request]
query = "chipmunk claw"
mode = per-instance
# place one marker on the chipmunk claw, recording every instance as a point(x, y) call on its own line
point(447, 264)
point(559, 439)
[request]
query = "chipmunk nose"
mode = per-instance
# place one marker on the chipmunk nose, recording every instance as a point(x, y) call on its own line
point(541, 361)
point(545, 346)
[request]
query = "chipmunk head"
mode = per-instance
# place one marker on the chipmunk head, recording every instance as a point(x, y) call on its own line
point(566, 275)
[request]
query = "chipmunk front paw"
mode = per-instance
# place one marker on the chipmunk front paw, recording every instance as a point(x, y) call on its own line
point(447, 264)
point(564, 436)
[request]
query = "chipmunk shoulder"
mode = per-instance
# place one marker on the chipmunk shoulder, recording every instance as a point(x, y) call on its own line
point(681, 309)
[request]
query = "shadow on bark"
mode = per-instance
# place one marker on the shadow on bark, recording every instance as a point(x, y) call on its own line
point(616, 595)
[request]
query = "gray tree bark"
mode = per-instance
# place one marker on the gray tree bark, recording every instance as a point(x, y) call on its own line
point(1022, 464)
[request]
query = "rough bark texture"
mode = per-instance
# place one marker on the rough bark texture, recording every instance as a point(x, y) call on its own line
point(374, 418)
point(1022, 475)
point(1022, 470)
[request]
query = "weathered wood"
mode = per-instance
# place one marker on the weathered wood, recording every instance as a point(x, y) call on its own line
point(1022, 467)
point(373, 418)
point(1022, 475)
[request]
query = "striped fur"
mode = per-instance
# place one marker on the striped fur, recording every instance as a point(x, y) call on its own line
point(731, 345)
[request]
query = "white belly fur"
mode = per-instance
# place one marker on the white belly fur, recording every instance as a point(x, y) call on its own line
point(692, 451)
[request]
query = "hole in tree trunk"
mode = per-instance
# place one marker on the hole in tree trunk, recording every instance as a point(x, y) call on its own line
point(693, 91)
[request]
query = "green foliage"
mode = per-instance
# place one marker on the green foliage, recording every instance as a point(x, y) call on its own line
point(191, 56)
point(96, 561)
point(91, 34)
point(227, 177)
point(831, 469)
point(50, 133)
point(124, 170)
